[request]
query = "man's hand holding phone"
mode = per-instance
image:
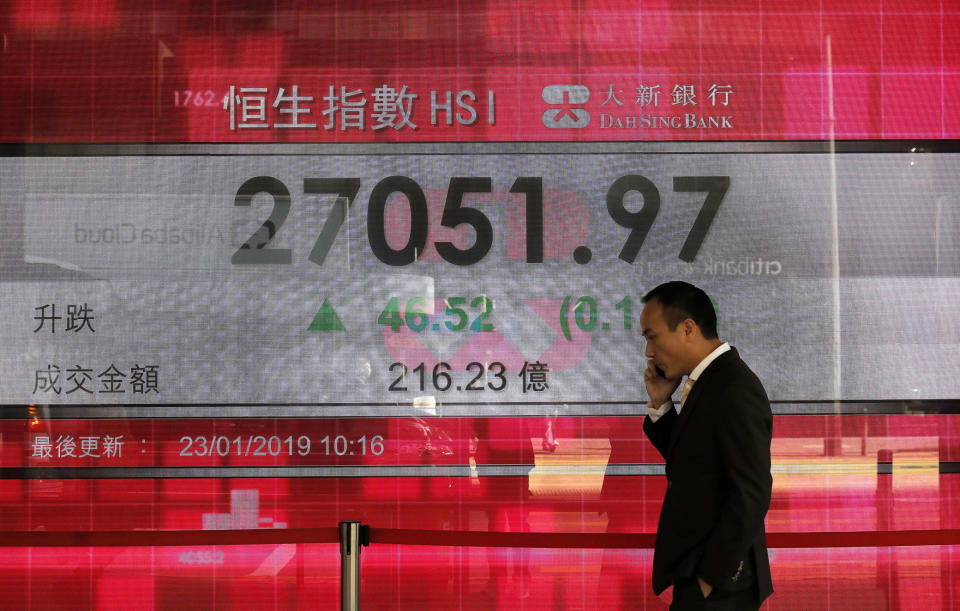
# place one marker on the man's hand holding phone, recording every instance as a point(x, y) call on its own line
point(659, 387)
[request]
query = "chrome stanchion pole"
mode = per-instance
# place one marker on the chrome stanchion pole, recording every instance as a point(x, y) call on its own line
point(352, 536)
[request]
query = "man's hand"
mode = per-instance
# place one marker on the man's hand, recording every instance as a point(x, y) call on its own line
point(659, 388)
point(705, 587)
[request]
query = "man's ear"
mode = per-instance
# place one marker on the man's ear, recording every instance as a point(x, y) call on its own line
point(689, 328)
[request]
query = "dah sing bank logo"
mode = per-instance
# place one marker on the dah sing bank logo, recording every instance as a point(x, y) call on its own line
point(684, 106)
point(568, 96)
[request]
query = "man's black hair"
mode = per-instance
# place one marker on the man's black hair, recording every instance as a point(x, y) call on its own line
point(682, 300)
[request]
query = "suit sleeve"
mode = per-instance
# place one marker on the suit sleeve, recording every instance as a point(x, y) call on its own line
point(659, 432)
point(744, 433)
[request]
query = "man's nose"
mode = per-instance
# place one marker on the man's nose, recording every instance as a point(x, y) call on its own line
point(648, 351)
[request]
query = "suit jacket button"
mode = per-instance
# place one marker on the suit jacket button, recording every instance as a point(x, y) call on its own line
point(669, 483)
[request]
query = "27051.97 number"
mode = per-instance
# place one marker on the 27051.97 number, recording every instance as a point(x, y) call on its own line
point(256, 251)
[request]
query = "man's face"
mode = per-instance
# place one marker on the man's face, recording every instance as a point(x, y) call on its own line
point(668, 349)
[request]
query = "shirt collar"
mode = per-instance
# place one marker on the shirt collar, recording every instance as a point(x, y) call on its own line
point(724, 347)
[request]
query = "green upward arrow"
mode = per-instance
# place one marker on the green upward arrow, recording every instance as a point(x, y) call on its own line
point(326, 319)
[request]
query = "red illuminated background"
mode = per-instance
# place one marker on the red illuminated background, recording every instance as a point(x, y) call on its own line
point(113, 71)
point(831, 473)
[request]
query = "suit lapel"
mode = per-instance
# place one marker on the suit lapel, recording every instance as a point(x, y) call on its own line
point(697, 395)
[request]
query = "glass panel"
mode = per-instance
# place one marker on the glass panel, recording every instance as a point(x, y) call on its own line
point(273, 267)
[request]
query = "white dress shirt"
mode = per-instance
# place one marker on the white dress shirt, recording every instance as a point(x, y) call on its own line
point(655, 413)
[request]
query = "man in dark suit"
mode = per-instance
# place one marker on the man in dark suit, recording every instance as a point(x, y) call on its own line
point(711, 543)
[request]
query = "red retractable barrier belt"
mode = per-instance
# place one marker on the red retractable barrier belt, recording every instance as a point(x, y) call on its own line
point(646, 540)
point(164, 538)
point(451, 538)
point(518, 539)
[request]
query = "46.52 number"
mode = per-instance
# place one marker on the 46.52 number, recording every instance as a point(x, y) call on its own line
point(256, 249)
